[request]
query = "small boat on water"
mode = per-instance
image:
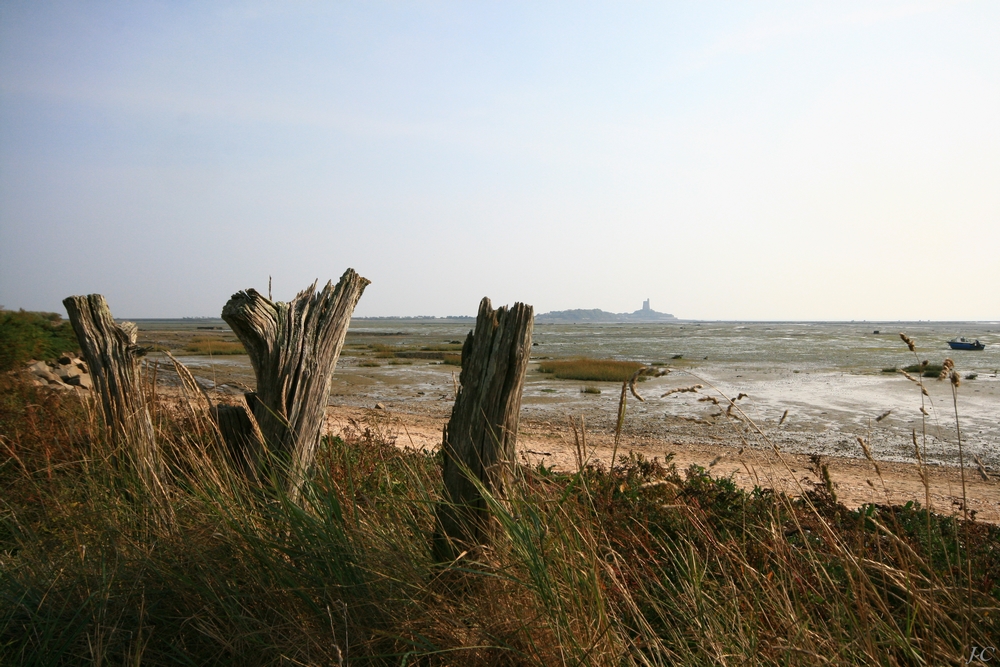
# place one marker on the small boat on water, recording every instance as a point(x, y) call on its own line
point(965, 344)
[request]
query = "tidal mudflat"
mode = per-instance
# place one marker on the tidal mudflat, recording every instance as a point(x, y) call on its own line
point(833, 379)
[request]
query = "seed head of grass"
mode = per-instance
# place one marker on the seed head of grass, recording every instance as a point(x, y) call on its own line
point(909, 342)
point(868, 455)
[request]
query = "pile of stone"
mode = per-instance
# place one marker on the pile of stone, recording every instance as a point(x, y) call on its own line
point(67, 372)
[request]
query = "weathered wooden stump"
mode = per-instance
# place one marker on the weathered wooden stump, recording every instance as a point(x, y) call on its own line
point(112, 356)
point(241, 434)
point(479, 439)
point(293, 348)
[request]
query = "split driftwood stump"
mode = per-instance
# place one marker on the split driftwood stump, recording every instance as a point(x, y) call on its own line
point(293, 348)
point(112, 356)
point(478, 443)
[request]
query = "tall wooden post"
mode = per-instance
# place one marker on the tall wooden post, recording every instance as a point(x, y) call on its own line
point(293, 348)
point(479, 439)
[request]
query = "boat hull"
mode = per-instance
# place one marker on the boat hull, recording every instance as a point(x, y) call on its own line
point(966, 346)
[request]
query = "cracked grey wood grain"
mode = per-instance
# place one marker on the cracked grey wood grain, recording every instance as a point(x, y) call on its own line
point(480, 437)
point(112, 356)
point(293, 348)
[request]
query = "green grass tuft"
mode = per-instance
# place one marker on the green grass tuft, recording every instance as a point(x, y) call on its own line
point(594, 370)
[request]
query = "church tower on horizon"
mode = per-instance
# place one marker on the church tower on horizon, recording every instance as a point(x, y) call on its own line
point(645, 305)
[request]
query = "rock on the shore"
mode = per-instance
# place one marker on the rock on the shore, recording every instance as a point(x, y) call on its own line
point(65, 373)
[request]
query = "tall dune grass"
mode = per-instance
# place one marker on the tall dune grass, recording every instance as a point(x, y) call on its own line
point(636, 565)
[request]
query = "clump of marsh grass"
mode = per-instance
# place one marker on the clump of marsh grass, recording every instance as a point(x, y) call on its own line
point(593, 370)
point(925, 368)
point(207, 345)
point(451, 359)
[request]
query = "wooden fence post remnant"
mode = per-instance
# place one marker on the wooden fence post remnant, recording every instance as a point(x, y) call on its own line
point(293, 348)
point(479, 439)
point(112, 357)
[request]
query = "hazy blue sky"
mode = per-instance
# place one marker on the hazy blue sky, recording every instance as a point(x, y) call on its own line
point(728, 160)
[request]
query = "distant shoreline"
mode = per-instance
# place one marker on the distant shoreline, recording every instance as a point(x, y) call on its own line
point(539, 320)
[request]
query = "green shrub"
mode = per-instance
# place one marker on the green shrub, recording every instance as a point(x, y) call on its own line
point(26, 335)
